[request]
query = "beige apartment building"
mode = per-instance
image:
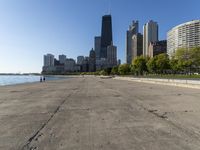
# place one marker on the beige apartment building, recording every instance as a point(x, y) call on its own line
point(186, 35)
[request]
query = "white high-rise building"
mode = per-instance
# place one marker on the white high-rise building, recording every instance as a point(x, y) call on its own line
point(186, 35)
point(150, 34)
point(48, 60)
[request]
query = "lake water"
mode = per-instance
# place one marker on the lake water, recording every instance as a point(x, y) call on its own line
point(19, 79)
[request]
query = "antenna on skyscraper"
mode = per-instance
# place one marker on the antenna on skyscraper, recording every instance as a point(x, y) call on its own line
point(109, 6)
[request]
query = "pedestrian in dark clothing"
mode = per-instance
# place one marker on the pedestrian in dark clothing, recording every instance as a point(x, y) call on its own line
point(40, 79)
point(44, 79)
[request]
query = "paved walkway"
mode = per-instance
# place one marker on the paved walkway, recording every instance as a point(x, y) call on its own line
point(91, 113)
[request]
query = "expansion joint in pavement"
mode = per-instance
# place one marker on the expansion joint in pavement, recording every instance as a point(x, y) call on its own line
point(27, 145)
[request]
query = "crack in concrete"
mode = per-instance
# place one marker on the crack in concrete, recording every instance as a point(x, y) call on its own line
point(26, 146)
point(164, 117)
point(155, 112)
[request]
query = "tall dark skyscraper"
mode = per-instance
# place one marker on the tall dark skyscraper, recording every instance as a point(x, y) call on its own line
point(106, 35)
point(97, 46)
point(92, 61)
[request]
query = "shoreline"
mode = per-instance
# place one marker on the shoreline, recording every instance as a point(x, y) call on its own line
point(48, 78)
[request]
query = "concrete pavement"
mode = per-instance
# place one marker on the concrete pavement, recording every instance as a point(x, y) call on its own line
point(91, 113)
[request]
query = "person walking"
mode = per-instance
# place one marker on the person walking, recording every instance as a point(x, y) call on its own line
point(44, 79)
point(40, 79)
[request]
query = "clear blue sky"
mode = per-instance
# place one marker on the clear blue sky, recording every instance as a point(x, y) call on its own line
point(31, 28)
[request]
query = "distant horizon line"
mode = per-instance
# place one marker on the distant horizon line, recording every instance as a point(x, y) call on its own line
point(20, 73)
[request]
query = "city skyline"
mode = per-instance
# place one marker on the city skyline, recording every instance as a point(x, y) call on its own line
point(31, 29)
point(102, 56)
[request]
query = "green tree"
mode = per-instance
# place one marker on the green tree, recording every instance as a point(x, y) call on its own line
point(139, 65)
point(103, 72)
point(114, 70)
point(183, 55)
point(195, 56)
point(108, 71)
point(151, 65)
point(174, 65)
point(124, 69)
point(162, 63)
point(132, 69)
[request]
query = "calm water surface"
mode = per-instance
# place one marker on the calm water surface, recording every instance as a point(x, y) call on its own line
point(19, 79)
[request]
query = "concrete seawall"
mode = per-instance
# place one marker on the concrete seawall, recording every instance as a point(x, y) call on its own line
point(171, 82)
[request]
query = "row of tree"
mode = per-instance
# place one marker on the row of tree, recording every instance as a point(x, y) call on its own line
point(184, 61)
